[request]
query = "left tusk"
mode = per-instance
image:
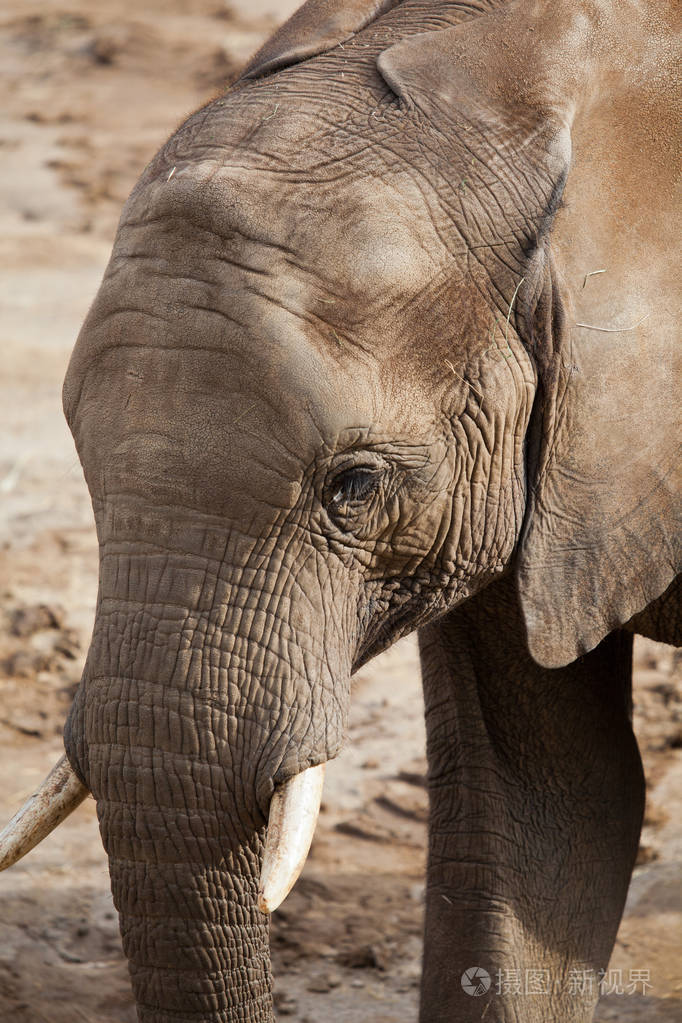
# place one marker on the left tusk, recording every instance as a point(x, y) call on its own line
point(60, 793)
point(294, 810)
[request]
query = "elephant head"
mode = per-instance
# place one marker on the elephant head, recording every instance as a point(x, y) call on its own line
point(328, 390)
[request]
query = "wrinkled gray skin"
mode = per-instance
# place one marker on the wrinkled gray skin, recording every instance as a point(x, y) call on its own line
point(330, 391)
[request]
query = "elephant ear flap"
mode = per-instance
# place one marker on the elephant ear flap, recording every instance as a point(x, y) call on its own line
point(317, 26)
point(603, 530)
point(601, 537)
point(484, 74)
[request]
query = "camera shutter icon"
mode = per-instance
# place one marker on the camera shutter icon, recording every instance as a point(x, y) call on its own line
point(475, 981)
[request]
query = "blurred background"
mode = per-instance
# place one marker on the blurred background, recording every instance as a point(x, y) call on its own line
point(90, 91)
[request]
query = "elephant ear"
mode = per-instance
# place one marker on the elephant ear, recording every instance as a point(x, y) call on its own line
point(314, 28)
point(601, 538)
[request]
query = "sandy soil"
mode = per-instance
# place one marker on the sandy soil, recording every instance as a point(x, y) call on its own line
point(90, 91)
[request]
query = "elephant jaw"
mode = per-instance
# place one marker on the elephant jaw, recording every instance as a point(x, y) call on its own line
point(294, 809)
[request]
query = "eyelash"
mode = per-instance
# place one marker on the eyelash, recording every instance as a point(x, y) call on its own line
point(355, 485)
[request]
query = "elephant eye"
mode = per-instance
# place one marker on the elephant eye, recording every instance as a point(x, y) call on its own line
point(353, 487)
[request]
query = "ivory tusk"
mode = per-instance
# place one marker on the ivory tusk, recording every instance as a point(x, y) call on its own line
point(294, 810)
point(60, 793)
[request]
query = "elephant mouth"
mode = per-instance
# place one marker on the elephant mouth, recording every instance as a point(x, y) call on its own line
point(294, 809)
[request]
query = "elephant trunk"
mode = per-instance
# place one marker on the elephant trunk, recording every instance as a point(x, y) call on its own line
point(186, 720)
point(184, 879)
point(196, 943)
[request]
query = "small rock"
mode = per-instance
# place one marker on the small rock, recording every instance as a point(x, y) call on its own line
point(414, 809)
point(24, 664)
point(319, 985)
point(646, 854)
point(26, 725)
point(655, 816)
point(364, 827)
point(225, 12)
point(285, 1004)
point(325, 951)
point(674, 741)
point(416, 778)
point(68, 644)
point(325, 982)
point(105, 47)
point(365, 957)
point(24, 621)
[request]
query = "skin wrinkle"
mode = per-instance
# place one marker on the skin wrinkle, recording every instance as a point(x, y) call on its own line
point(255, 664)
point(128, 493)
point(149, 682)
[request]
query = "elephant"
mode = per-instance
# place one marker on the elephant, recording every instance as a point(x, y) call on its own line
point(385, 344)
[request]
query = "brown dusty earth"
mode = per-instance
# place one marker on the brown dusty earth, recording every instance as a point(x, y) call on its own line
point(90, 90)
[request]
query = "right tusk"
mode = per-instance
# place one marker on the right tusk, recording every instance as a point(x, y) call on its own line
point(294, 809)
point(60, 793)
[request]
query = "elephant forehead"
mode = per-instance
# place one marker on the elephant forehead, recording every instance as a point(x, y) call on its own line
point(360, 236)
point(231, 433)
point(205, 402)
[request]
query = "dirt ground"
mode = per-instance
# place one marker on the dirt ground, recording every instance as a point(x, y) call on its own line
point(89, 93)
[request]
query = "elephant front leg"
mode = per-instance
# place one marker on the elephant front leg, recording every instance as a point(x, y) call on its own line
point(536, 801)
